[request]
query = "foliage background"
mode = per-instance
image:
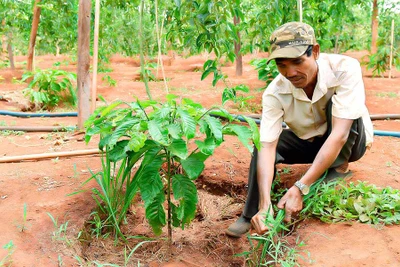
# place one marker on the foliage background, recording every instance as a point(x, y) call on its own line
point(190, 27)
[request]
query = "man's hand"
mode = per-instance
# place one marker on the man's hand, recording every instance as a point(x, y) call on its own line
point(258, 220)
point(292, 202)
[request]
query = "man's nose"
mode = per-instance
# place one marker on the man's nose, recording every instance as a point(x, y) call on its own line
point(291, 71)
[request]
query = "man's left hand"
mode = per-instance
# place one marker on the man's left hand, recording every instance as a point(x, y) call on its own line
point(292, 202)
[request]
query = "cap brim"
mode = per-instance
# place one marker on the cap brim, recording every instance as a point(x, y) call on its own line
point(288, 52)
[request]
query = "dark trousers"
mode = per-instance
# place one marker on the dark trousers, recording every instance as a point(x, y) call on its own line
point(293, 150)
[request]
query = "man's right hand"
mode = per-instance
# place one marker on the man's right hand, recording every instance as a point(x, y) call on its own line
point(258, 220)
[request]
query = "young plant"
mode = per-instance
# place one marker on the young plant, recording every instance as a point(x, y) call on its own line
point(272, 248)
point(336, 202)
point(266, 72)
point(23, 227)
point(110, 81)
point(240, 100)
point(7, 261)
point(49, 87)
point(60, 233)
point(169, 143)
point(147, 71)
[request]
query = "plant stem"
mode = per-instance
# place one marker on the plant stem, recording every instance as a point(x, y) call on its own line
point(169, 203)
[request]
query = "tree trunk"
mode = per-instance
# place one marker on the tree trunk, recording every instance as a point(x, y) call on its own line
point(83, 76)
point(10, 51)
point(374, 27)
point(239, 61)
point(32, 40)
point(4, 39)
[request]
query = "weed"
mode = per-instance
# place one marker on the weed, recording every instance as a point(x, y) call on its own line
point(60, 234)
point(23, 227)
point(15, 80)
point(336, 202)
point(7, 261)
point(110, 81)
point(272, 248)
point(11, 132)
point(387, 94)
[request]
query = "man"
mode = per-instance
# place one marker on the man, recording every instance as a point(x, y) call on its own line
point(321, 98)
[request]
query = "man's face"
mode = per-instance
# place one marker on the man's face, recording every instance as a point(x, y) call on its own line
point(301, 71)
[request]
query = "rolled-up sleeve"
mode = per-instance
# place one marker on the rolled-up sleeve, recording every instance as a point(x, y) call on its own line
point(272, 118)
point(349, 98)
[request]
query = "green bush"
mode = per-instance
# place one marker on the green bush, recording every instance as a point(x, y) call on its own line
point(169, 143)
point(49, 87)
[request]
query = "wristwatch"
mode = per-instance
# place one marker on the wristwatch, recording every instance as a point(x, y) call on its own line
point(304, 189)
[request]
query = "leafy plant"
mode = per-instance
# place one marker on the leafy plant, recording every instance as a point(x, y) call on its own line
point(361, 202)
point(110, 81)
point(170, 143)
point(210, 66)
point(266, 72)
point(148, 72)
point(52, 87)
point(272, 248)
point(230, 93)
point(7, 261)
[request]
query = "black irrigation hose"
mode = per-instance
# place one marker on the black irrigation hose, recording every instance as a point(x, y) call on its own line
point(256, 118)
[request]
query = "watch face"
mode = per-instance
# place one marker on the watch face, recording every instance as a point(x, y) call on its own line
point(305, 190)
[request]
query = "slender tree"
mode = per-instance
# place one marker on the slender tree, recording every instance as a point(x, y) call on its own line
point(374, 27)
point(34, 29)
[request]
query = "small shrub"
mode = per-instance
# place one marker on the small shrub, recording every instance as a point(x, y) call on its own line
point(169, 142)
point(49, 87)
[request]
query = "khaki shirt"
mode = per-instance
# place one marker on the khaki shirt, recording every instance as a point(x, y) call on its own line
point(339, 78)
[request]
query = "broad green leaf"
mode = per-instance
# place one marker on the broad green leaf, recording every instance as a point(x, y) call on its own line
point(155, 213)
point(242, 132)
point(178, 148)
point(136, 142)
point(207, 146)
point(174, 131)
point(118, 152)
point(215, 127)
point(122, 129)
point(188, 123)
point(194, 165)
point(186, 193)
point(228, 94)
point(157, 133)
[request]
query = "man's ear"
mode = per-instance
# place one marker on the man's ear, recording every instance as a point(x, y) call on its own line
point(316, 51)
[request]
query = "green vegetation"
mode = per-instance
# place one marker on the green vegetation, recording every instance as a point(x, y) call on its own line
point(330, 202)
point(52, 87)
point(170, 142)
point(7, 261)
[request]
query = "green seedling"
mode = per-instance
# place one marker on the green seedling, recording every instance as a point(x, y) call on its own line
point(60, 233)
point(7, 261)
point(110, 81)
point(23, 226)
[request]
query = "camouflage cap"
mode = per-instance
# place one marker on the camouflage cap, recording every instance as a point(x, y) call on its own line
point(291, 40)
